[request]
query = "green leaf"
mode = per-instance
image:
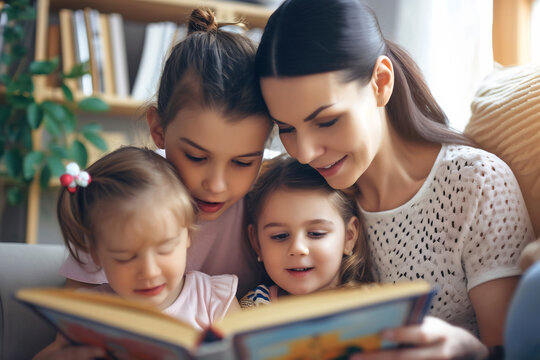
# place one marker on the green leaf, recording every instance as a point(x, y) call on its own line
point(13, 161)
point(19, 50)
point(34, 115)
point(4, 78)
point(59, 151)
point(7, 58)
point(96, 140)
point(91, 128)
point(44, 67)
point(55, 165)
point(30, 164)
point(51, 125)
point(45, 177)
point(77, 71)
point(26, 137)
point(20, 101)
point(56, 111)
point(69, 121)
point(14, 195)
point(13, 33)
point(5, 111)
point(78, 153)
point(93, 104)
point(67, 92)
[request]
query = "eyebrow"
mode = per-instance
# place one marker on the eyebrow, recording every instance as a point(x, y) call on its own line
point(310, 222)
point(195, 145)
point(310, 117)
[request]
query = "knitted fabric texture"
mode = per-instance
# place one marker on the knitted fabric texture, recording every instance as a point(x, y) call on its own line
point(465, 226)
point(505, 121)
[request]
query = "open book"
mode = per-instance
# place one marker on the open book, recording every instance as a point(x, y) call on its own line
point(323, 325)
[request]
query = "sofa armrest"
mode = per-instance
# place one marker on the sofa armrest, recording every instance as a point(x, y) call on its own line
point(23, 333)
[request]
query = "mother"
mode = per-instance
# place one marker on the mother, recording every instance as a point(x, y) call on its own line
point(356, 108)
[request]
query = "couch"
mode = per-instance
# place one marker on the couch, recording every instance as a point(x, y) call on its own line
point(22, 332)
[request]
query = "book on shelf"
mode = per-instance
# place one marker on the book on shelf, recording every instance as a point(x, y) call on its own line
point(159, 39)
point(53, 51)
point(324, 325)
point(93, 31)
point(119, 54)
point(82, 50)
point(67, 45)
point(107, 56)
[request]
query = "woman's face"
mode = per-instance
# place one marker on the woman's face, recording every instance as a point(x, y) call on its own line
point(334, 127)
point(218, 159)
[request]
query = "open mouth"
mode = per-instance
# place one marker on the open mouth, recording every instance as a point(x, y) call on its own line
point(209, 207)
point(300, 271)
point(150, 291)
point(331, 169)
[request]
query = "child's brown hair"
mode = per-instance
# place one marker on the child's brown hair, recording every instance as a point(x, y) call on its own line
point(284, 172)
point(123, 175)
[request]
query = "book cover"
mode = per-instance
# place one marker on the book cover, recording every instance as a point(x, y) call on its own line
point(323, 325)
point(143, 87)
point(67, 46)
point(53, 51)
point(82, 50)
point(119, 54)
point(108, 70)
point(93, 30)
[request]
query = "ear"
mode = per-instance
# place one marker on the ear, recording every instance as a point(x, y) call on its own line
point(252, 235)
point(352, 229)
point(156, 130)
point(382, 80)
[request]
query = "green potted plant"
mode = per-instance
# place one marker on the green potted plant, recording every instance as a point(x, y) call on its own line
point(21, 161)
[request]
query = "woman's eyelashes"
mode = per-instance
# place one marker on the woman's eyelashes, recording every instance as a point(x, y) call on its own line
point(194, 158)
point(324, 124)
point(328, 123)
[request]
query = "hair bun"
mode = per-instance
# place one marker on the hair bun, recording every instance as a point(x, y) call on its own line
point(202, 20)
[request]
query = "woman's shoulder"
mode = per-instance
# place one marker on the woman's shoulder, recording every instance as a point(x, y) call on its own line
point(462, 159)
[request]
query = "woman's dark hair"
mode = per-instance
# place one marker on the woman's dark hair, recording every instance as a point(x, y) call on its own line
point(285, 173)
point(212, 67)
point(303, 37)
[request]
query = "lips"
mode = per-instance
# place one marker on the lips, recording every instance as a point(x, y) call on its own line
point(209, 207)
point(153, 291)
point(331, 169)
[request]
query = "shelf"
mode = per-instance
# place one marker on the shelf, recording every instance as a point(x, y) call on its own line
point(171, 10)
point(118, 106)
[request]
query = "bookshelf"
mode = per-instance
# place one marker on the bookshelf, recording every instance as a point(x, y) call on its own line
point(143, 11)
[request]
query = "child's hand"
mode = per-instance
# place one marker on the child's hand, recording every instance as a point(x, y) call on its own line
point(60, 349)
point(433, 339)
point(530, 255)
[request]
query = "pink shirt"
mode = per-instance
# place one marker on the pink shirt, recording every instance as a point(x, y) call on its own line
point(204, 299)
point(218, 247)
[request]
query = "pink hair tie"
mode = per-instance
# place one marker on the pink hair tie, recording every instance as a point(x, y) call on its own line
point(74, 177)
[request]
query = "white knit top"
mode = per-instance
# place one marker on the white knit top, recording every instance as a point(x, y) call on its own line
point(466, 225)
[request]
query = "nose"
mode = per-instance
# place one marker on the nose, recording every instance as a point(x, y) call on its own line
point(298, 246)
point(307, 148)
point(149, 267)
point(215, 180)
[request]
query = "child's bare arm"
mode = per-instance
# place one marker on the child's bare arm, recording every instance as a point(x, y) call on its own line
point(530, 255)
